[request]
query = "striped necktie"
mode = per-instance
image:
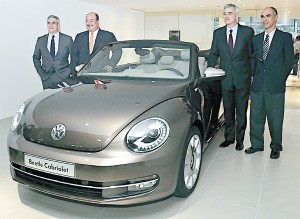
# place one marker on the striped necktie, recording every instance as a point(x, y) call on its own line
point(265, 48)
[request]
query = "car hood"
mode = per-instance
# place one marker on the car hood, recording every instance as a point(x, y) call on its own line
point(92, 115)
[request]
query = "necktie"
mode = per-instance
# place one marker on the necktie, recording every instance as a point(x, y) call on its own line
point(52, 47)
point(91, 42)
point(265, 48)
point(230, 43)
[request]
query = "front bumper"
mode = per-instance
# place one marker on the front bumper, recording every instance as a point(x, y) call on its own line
point(123, 179)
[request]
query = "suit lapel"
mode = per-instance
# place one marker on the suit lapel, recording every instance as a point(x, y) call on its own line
point(224, 39)
point(97, 41)
point(238, 39)
point(273, 42)
point(60, 45)
point(44, 45)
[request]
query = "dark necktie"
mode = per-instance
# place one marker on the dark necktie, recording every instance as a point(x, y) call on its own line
point(230, 43)
point(265, 48)
point(52, 47)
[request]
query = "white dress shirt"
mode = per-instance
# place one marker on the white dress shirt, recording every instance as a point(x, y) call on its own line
point(234, 33)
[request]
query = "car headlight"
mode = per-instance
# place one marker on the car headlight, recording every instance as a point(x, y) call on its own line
point(148, 135)
point(17, 118)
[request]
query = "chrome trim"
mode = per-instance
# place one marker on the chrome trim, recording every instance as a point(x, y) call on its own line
point(82, 186)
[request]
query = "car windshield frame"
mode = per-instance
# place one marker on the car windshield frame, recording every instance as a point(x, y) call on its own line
point(141, 59)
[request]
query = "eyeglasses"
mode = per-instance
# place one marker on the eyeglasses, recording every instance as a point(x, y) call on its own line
point(53, 22)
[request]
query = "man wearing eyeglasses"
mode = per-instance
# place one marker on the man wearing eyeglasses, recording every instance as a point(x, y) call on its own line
point(51, 56)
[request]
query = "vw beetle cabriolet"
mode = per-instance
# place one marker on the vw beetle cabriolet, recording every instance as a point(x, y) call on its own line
point(132, 131)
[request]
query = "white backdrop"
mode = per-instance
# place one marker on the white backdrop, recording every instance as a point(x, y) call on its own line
point(24, 21)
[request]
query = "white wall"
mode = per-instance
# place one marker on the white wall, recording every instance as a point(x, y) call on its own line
point(23, 21)
point(193, 27)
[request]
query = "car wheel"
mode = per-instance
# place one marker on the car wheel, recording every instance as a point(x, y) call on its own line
point(190, 164)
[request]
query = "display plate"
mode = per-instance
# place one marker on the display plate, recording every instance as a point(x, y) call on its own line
point(49, 165)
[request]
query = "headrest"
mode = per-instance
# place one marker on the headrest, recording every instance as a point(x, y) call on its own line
point(201, 60)
point(148, 59)
point(166, 60)
point(185, 54)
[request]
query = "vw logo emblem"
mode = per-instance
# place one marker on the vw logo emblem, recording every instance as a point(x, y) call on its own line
point(58, 132)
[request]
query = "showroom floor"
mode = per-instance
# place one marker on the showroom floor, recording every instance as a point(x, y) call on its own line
point(232, 184)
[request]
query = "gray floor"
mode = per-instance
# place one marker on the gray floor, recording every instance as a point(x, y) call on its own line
point(232, 184)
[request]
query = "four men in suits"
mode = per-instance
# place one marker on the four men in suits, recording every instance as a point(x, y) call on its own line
point(232, 44)
point(88, 42)
point(274, 57)
point(51, 56)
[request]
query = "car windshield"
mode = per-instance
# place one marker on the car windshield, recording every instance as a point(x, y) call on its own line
point(140, 59)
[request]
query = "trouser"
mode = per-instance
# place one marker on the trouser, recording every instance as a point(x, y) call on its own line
point(266, 106)
point(235, 103)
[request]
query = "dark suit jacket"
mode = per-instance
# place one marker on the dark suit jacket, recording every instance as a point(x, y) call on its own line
point(80, 51)
point(45, 64)
point(278, 64)
point(238, 66)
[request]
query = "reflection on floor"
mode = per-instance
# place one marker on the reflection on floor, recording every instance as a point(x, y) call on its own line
point(232, 184)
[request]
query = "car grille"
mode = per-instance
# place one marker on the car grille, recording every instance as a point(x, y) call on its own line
point(72, 141)
point(82, 190)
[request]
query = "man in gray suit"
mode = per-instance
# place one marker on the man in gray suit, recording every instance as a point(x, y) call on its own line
point(87, 43)
point(233, 46)
point(274, 57)
point(51, 56)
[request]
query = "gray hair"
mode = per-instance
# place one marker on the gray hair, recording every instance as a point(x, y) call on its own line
point(55, 17)
point(236, 8)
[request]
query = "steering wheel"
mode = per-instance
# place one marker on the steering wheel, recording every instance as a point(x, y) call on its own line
point(176, 71)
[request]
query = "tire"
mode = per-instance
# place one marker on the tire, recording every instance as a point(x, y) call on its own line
point(190, 164)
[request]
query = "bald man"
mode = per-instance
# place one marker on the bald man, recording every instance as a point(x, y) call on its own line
point(274, 57)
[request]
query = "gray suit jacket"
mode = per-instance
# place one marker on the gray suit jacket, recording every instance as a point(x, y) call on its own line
point(274, 71)
point(239, 65)
point(80, 51)
point(43, 62)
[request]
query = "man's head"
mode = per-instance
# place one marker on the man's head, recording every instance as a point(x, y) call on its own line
point(53, 24)
point(92, 21)
point(230, 13)
point(268, 18)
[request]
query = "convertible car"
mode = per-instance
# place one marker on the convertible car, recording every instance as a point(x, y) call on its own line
point(132, 131)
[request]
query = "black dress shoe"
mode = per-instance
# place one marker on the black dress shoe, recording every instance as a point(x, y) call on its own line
point(275, 154)
point(252, 150)
point(239, 146)
point(226, 144)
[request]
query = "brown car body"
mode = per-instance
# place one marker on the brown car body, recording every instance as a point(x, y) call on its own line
point(76, 143)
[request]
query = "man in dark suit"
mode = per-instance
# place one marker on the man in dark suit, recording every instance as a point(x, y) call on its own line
point(274, 57)
point(87, 43)
point(233, 46)
point(51, 56)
